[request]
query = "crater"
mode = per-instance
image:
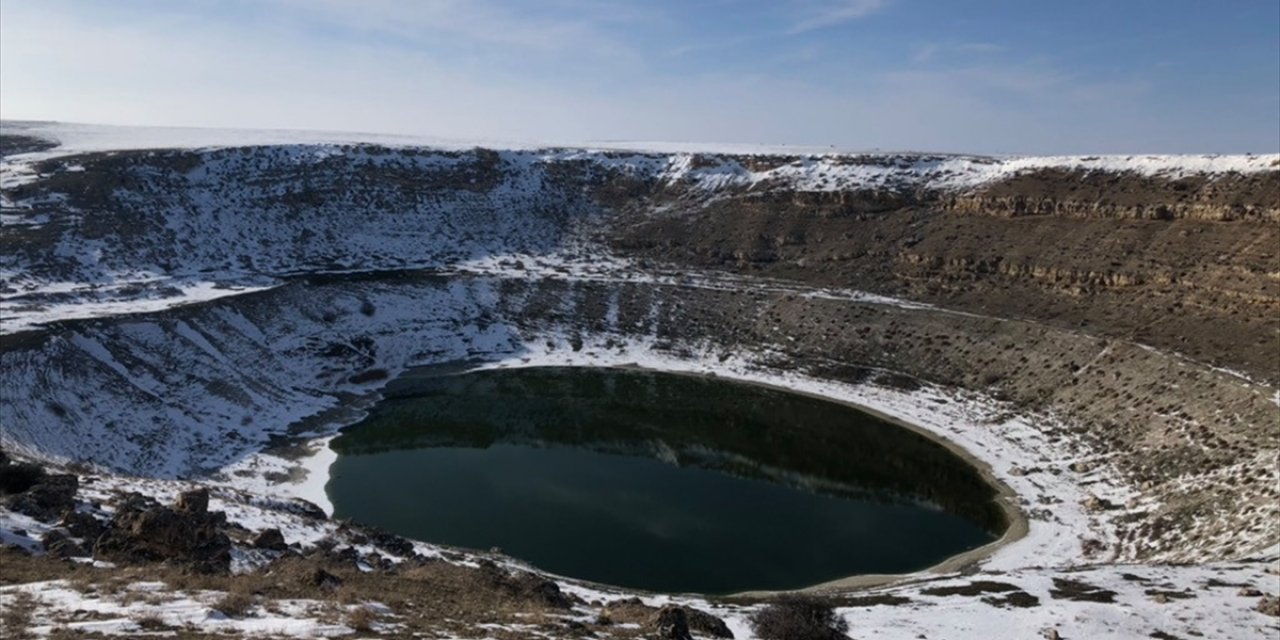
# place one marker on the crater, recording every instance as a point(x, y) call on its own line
point(658, 481)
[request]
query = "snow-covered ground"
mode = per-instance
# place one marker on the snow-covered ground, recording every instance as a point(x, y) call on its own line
point(1021, 450)
point(264, 355)
point(148, 608)
point(224, 224)
point(81, 138)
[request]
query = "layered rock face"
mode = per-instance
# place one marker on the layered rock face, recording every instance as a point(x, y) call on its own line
point(1190, 265)
point(1108, 294)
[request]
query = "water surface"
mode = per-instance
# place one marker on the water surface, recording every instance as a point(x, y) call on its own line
point(657, 481)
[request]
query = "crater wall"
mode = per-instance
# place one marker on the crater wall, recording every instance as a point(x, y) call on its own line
point(1105, 300)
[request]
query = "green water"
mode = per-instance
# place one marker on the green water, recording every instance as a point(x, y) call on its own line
point(657, 481)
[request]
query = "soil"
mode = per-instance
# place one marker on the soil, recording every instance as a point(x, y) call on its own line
point(1112, 302)
point(1206, 286)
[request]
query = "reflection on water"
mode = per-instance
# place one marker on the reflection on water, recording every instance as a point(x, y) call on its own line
point(657, 481)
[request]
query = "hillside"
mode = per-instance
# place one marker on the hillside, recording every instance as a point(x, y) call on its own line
point(1100, 332)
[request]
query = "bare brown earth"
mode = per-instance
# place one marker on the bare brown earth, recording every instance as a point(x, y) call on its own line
point(1106, 300)
point(1102, 298)
point(1191, 265)
point(422, 595)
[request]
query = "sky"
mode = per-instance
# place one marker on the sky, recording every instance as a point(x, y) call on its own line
point(982, 76)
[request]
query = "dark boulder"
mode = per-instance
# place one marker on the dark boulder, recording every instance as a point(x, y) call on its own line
point(58, 544)
point(82, 525)
point(187, 535)
point(134, 501)
point(309, 510)
point(17, 477)
point(322, 579)
point(391, 543)
point(532, 587)
point(523, 586)
point(48, 498)
point(194, 502)
point(1269, 605)
point(344, 556)
point(672, 623)
point(271, 540)
point(707, 624)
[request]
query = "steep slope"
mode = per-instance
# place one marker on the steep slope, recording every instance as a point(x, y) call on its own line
point(1102, 332)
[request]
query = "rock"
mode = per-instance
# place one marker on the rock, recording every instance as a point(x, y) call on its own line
point(378, 561)
point(50, 497)
point(81, 525)
point(391, 543)
point(1052, 634)
point(672, 623)
point(1269, 605)
point(325, 580)
point(195, 501)
point(1094, 504)
point(309, 510)
point(1092, 546)
point(707, 624)
point(17, 477)
point(530, 586)
point(60, 545)
point(270, 539)
point(1249, 592)
point(347, 556)
point(187, 535)
point(134, 501)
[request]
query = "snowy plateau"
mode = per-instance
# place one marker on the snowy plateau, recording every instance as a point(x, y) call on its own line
point(201, 309)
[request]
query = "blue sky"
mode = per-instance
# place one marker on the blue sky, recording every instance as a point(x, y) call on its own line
point(1002, 76)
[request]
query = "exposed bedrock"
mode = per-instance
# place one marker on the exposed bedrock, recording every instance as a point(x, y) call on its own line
point(1206, 286)
point(1187, 261)
point(1105, 299)
point(193, 388)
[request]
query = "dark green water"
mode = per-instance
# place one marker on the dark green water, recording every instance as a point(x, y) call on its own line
point(657, 481)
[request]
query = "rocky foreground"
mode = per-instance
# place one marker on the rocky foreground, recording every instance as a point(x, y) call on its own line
point(182, 329)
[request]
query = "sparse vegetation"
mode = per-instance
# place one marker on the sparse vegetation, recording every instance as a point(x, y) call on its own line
point(151, 622)
point(799, 617)
point(15, 614)
point(235, 604)
point(1051, 324)
point(361, 618)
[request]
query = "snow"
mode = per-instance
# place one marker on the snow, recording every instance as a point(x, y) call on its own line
point(237, 233)
point(254, 367)
point(61, 606)
point(999, 439)
point(966, 421)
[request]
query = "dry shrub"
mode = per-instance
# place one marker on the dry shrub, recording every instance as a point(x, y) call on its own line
point(151, 622)
point(16, 613)
point(799, 617)
point(234, 604)
point(361, 618)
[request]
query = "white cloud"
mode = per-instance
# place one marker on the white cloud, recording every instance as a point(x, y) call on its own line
point(477, 21)
point(930, 51)
point(178, 70)
point(830, 13)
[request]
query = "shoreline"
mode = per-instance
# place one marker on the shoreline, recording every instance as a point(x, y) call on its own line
point(317, 464)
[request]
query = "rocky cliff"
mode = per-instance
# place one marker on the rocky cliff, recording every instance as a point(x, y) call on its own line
point(1130, 303)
